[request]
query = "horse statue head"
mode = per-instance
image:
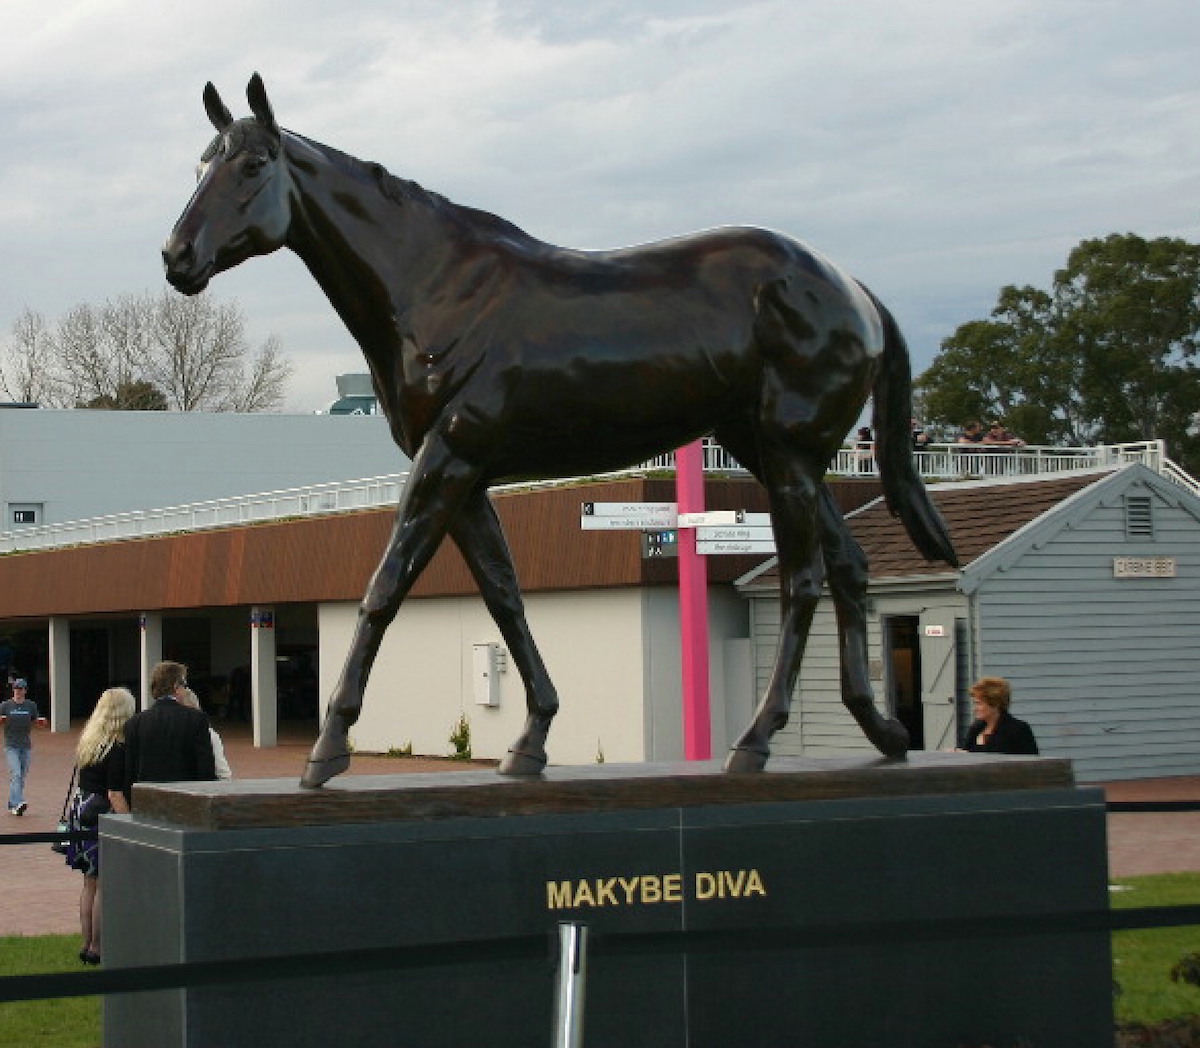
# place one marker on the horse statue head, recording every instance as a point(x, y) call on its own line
point(241, 206)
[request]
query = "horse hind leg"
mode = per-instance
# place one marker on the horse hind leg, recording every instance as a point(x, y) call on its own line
point(792, 484)
point(846, 567)
point(479, 537)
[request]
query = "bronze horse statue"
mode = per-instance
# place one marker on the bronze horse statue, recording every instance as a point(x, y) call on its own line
point(498, 357)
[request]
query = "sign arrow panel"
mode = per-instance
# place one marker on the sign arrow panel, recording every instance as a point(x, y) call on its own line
point(627, 516)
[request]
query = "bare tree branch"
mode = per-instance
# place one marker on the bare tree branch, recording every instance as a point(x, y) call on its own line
point(264, 383)
point(192, 351)
point(27, 361)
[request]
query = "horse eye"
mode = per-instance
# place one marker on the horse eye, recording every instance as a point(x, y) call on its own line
point(252, 165)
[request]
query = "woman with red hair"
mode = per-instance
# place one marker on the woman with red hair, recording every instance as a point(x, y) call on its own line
point(994, 729)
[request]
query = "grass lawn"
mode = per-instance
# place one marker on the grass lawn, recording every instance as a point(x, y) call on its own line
point(1142, 960)
point(72, 1022)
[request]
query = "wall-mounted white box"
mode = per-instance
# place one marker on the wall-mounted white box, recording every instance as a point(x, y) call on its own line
point(488, 661)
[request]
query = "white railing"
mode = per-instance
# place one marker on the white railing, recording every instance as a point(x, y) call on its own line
point(1179, 476)
point(716, 460)
point(318, 499)
point(935, 462)
point(964, 462)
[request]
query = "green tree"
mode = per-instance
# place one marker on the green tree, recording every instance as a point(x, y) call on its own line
point(1107, 355)
point(135, 395)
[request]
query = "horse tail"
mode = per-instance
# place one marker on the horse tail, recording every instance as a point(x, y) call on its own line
point(903, 488)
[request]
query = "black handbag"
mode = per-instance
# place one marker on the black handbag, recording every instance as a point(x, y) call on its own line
point(91, 808)
point(64, 825)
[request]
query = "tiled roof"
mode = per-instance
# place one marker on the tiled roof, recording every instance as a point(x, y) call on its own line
point(979, 516)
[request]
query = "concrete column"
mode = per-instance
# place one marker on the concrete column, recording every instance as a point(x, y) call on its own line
point(60, 674)
point(151, 630)
point(263, 694)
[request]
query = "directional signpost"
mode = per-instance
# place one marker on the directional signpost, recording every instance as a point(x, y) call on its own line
point(628, 516)
point(717, 531)
point(684, 529)
point(711, 517)
point(752, 534)
point(693, 607)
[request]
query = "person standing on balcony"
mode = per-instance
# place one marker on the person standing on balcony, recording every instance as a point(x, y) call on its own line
point(998, 436)
point(920, 439)
point(972, 433)
point(864, 451)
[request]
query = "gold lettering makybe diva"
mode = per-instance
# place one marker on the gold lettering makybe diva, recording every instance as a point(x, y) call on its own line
point(648, 889)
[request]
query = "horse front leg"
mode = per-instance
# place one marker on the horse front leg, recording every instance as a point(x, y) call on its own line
point(477, 533)
point(847, 569)
point(438, 484)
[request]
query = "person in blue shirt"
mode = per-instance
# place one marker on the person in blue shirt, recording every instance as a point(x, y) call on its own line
point(19, 717)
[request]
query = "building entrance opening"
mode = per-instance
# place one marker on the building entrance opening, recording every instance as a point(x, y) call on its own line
point(902, 662)
point(296, 670)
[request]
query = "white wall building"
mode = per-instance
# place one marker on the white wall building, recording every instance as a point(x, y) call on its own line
point(66, 465)
point(613, 655)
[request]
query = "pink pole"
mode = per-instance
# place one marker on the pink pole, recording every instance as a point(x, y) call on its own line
point(693, 607)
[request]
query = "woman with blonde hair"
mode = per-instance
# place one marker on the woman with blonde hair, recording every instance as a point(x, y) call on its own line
point(100, 760)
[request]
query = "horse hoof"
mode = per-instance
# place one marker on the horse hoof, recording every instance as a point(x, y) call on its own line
point(745, 760)
point(891, 739)
point(519, 764)
point(319, 772)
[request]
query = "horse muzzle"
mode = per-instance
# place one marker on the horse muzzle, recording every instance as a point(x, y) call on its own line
point(184, 272)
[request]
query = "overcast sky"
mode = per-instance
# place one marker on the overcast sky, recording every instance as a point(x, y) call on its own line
point(938, 149)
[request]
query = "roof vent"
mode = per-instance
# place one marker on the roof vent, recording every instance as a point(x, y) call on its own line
point(1139, 517)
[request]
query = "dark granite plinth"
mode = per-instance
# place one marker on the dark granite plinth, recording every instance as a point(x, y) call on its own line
point(257, 803)
point(463, 857)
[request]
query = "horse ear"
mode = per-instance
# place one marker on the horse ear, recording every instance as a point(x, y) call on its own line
point(256, 95)
point(217, 111)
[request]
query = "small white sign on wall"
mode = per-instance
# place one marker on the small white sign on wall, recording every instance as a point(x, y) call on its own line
point(1143, 567)
point(935, 631)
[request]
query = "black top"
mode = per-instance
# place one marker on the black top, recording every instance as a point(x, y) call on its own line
point(168, 743)
point(108, 773)
point(1011, 736)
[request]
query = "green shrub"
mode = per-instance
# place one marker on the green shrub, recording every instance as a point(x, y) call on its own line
point(460, 739)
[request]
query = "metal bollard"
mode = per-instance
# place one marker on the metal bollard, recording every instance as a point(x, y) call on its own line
point(572, 979)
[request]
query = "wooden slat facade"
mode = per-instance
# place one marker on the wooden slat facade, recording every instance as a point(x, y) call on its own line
point(332, 558)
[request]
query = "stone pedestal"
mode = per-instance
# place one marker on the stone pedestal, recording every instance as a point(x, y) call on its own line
point(228, 870)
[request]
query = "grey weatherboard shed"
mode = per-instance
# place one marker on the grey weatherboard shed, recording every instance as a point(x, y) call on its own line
point(1082, 590)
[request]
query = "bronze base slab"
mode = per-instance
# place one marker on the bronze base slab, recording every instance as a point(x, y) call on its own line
point(262, 803)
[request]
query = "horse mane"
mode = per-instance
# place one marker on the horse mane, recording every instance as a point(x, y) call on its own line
point(404, 192)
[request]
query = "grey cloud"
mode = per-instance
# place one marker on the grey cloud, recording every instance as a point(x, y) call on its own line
point(939, 149)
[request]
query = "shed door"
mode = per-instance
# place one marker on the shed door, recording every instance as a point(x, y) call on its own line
point(938, 675)
point(902, 653)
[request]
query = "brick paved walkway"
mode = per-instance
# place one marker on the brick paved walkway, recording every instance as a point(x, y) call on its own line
point(47, 899)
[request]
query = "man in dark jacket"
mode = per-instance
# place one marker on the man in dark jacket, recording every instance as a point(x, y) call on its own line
point(168, 742)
